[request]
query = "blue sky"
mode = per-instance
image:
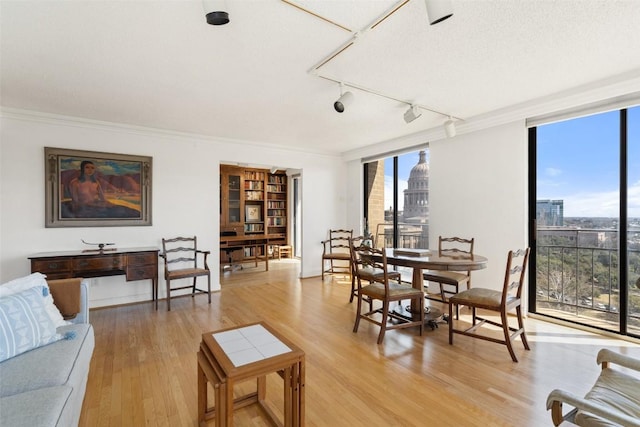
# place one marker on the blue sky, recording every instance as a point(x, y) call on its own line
point(405, 163)
point(577, 162)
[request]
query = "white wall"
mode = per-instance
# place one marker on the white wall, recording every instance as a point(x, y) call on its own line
point(477, 188)
point(185, 198)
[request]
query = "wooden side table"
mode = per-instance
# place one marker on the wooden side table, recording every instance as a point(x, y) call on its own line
point(248, 352)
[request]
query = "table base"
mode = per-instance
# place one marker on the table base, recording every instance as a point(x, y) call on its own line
point(432, 315)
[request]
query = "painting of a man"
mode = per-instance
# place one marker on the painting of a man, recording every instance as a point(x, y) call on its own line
point(83, 193)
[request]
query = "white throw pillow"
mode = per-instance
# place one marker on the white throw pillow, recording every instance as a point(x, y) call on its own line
point(24, 323)
point(33, 280)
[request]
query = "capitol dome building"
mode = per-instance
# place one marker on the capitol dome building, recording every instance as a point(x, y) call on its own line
point(416, 196)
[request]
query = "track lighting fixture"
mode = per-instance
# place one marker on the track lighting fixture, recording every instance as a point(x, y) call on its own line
point(412, 113)
point(345, 99)
point(438, 10)
point(450, 128)
point(214, 12)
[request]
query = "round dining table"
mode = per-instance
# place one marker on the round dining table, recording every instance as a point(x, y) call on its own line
point(425, 259)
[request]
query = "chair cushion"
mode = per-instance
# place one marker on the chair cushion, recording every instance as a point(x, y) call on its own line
point(344, 256)
point(396, 291)
point(371, 274)
point(448, 277)
point(187, 272)
point(615, 390)
point(488, 298)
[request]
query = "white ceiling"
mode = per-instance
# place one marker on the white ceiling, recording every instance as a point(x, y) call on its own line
point(158, 64)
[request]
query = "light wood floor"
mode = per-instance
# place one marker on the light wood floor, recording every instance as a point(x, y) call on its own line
point(143, 370)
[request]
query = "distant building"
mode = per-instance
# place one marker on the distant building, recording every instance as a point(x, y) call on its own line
point(550, 213)
point(416, 196)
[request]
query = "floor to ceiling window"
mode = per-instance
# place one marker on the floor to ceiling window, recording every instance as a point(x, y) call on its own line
point(397, 200)
point(586, 266)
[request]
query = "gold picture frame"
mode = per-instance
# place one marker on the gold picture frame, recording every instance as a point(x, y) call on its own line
point(96, 189)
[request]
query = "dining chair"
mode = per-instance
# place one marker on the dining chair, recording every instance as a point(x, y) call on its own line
point(449, 282)
point(336, 252)
point(374, 283)
point(500, 301)
point(356, 265)
point(180, 256)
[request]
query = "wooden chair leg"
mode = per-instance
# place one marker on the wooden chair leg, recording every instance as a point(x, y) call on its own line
point(168, 295)
point(507, 335)
point(353, 288)
point(421, 301)
point(358, 308)
point(383, 324)
point(450, 323)
point(193, 288)
point(523, 336)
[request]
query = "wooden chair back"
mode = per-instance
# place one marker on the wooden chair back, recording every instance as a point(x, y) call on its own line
point(338, 241)
point(455, 246)
point(371, 265)
point(180, 252)
point(514, 276)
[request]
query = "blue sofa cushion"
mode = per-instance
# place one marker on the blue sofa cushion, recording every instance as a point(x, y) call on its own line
point(50, 365)
point(36, 408)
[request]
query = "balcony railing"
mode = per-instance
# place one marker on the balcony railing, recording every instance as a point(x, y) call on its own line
point(410, 235)
point(577, 274)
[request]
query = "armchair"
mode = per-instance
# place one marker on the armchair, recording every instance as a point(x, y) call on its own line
point(614, 399)
point(336, 252)
point(180, 256)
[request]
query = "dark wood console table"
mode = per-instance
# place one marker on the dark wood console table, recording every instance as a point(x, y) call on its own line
point(134, 263)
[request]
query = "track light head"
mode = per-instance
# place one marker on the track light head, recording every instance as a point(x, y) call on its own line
point(214, 12)
point(450, 128)
point(412, 113)
point(345, 99)
point(438, 10)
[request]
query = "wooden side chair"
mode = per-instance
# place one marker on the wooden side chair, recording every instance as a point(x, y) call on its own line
point(180, 256)
point(450, 282)
point(509, 298)
point(373, 269)
point(356, 265)
point(336, 252)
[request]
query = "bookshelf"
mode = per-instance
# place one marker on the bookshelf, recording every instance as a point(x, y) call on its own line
point(254, 207)
point(277, 205)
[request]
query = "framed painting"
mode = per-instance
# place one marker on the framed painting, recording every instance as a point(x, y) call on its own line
point(253, 213)
point(94, 189)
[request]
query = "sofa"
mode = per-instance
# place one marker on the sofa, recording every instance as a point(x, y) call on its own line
point(45, 385)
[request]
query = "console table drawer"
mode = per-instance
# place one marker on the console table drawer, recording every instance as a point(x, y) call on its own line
point(98, 263)
point(140, 272)
point(47, 266)
point(142, 259)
